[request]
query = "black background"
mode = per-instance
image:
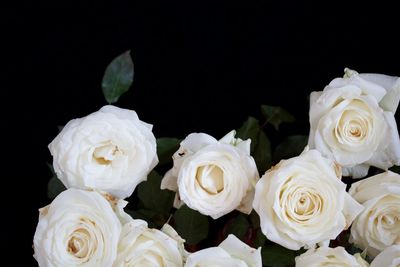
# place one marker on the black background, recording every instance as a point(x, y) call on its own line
point(200, 66)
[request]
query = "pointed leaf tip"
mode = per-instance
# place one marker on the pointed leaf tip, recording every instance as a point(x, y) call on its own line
point(118, 77)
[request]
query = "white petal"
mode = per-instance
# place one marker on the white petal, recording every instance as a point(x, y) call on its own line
point(369, 88)
point(374, 186)
point(383, 80)
point(244, 146)
point(120, 113)
point(195, 259)
point(236, 248)
point(358, 171)
point(351, 209)
point(391, 100)
point(229, 138)
point(390, 257)
point(314, 96)
point(169, 181)
point(390, 154)
point(177, 201)
point(195, 141)
point(246, 206)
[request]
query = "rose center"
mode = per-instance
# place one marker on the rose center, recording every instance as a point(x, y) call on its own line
point(210, 178)
point(106, 153)
point(78, 243)
point(355, 131)
point(389, 221)
point(353, 126)
point(305, 205)
point(301, 204)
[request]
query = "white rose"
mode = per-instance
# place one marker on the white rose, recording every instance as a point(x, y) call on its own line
point(325, 256)
point(302, 201)
point(213, 177)
point(109, 150)
point(390, 257)
point(79, 228)
point(232, 252)
point(378, 226)
point(352, 121)
point(142, 246)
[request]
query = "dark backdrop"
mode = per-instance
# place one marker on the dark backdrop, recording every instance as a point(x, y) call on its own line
point(199, 66)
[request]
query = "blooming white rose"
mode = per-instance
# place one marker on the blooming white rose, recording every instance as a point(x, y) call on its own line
point(302, 201)
point(79, 228)
point(213, 177)
point(325, 256)
point(352, 121)
point(378, 226)
point(232, 252)
point(390, 257)
point(142, 246)
point(109, 150)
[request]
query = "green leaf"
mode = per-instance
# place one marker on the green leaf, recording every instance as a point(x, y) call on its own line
point(276, 115)
point(143, 214)
point(260, 144)
point(254, 219)
point(191, 225)
point(152, 197)
point(395, 169)
point(352, 249)
point(262, 152)
point(277, 256)
point(291, 146)
point(238, 226)
point(260, 239)
point(166, 147)
point(51, 168)
point(249, 129)
point(118, 77)
point(54, 186)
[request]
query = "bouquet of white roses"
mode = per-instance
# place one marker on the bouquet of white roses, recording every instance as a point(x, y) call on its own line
point(123, 197)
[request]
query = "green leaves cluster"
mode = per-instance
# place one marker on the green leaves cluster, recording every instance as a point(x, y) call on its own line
point(191, 225)
point(276, 115)
point(261, 145)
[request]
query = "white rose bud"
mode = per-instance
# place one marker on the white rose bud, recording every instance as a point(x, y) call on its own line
point(79, 228)
point(142, 246)
point(213, 177)
point(390, 257)
point(352, 121)
point(302, 201)
point(378, 226)
point(109, 150)
point(325, 256)
point(232, 252)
